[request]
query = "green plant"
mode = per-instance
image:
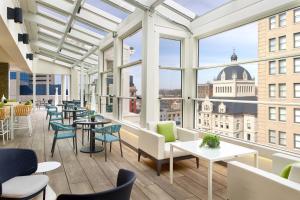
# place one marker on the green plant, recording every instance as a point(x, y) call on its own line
point(11, 100)
point(28, 103)
point(211, 140)
point(1, 104)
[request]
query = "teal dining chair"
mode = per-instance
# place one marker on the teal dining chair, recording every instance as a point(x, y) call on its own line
point(62, 131)
point(55, 116)
point(50, 108)
point(109, 134)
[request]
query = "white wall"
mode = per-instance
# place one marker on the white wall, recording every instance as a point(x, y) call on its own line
point(45, 67)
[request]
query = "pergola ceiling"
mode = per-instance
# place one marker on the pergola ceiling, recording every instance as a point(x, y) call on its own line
point(68, 32)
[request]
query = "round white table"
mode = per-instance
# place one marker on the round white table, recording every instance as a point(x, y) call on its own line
point(44, 167)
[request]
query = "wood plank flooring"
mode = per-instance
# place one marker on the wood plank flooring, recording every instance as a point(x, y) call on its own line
point(82, 174)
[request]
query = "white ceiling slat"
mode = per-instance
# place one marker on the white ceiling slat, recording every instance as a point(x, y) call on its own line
point(49, 33)
point(44, 45)
point(138, 4)
point(180, 9)
point(122, 5)
point(156, 3)
point(84, 37)
point(60, 5)
point(169, 14)
point(75, 9)
point(91, 51)
point(87, 31)
point(70, 54)
point(102, 13)
point(96, 20)
point(43, 21)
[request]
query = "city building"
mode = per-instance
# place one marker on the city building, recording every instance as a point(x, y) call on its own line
point(204, 90)
point(278, 80)
point(228, 118)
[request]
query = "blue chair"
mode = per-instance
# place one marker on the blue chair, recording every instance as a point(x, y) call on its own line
point(50, 108)
point(16, 169)
point(55, 116)
point(125, 183)
point(106, 135)
point(62, 131)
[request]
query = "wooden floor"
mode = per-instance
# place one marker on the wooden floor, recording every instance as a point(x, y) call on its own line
point(82, 174)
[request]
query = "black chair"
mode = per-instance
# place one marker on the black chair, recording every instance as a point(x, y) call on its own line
point(16, 179)
point(121, 192)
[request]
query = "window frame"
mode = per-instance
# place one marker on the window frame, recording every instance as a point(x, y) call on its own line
point(270, 136)
point(280, 114)
point(280, 138)
point(272, 114)
point(281, 20)
point(281, 44)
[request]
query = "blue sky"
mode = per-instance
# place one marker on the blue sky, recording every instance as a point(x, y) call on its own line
point(216, 49)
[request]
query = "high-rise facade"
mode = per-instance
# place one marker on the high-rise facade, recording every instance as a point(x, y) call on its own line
point(279, 80)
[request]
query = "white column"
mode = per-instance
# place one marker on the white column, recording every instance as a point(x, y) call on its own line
point(117, 75)
point(18, 86)
point(99, 82)
point(74, 85)
point(150, 71)
point(81, 86)
point(34, 89)
point(47, 87)
point(63, 87)
point(190, 51)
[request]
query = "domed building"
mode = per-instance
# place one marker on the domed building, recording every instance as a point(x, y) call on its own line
point(230, 118)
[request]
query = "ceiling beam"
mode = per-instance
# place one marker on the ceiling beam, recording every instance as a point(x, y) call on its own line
point(122, 5)
point(156, 3)
point(44, 21)
point(60, 5)
point(69, 24)
point(91, 51)
point(138, 4)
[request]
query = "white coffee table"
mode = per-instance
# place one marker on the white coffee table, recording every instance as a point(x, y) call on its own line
point(44, 167)
point(225, 152)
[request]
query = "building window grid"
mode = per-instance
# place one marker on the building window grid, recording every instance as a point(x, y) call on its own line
point(297, 115)
point(282, 66)
point(297, 141)
point(272, 22)
point(272, 44)
point(272, 113)
point(282, 114)
point(282, 90)
point(297, 90)
point(272, 90)
point(297, 40)
point(297, 15)
point(282, 43)
point(282, 19)
point(296, 65)
point(272, 67)
point(282, 138)
point(272, 137)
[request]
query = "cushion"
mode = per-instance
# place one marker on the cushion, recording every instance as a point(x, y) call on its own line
point(166, 129)
point(152, 126)
point(291, 172)
point(24, 186)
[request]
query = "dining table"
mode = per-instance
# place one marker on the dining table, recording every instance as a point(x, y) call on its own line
point(91, 147)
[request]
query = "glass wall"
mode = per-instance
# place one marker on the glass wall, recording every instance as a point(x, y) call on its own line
point(131, 85)
point(247, 85)
point(170, 82)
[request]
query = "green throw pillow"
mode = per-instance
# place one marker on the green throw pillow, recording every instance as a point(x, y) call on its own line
point(285, 173)
point(166, 129)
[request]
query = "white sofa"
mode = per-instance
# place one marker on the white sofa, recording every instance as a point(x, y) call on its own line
point(249, 183)
point(153, 145)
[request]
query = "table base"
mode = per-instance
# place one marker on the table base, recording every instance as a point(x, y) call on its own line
point(87, 149)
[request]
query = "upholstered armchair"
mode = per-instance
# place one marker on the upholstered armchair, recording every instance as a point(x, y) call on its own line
point(16, 175)
point(153, 145)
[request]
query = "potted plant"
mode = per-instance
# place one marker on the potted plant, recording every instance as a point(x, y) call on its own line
point(210, 140)
point(93, 117)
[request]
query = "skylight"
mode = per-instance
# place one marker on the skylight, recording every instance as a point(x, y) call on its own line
point(108, 8)
point(201, 7)
point(90, 28)
point(52, 13)
point(48, 32)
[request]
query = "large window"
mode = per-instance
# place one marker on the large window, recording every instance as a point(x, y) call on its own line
point(106, 99)
point(131, 75)
point(170, 80)
point(243, 86)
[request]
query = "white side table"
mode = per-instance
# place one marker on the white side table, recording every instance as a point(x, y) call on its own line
point(44, 167)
